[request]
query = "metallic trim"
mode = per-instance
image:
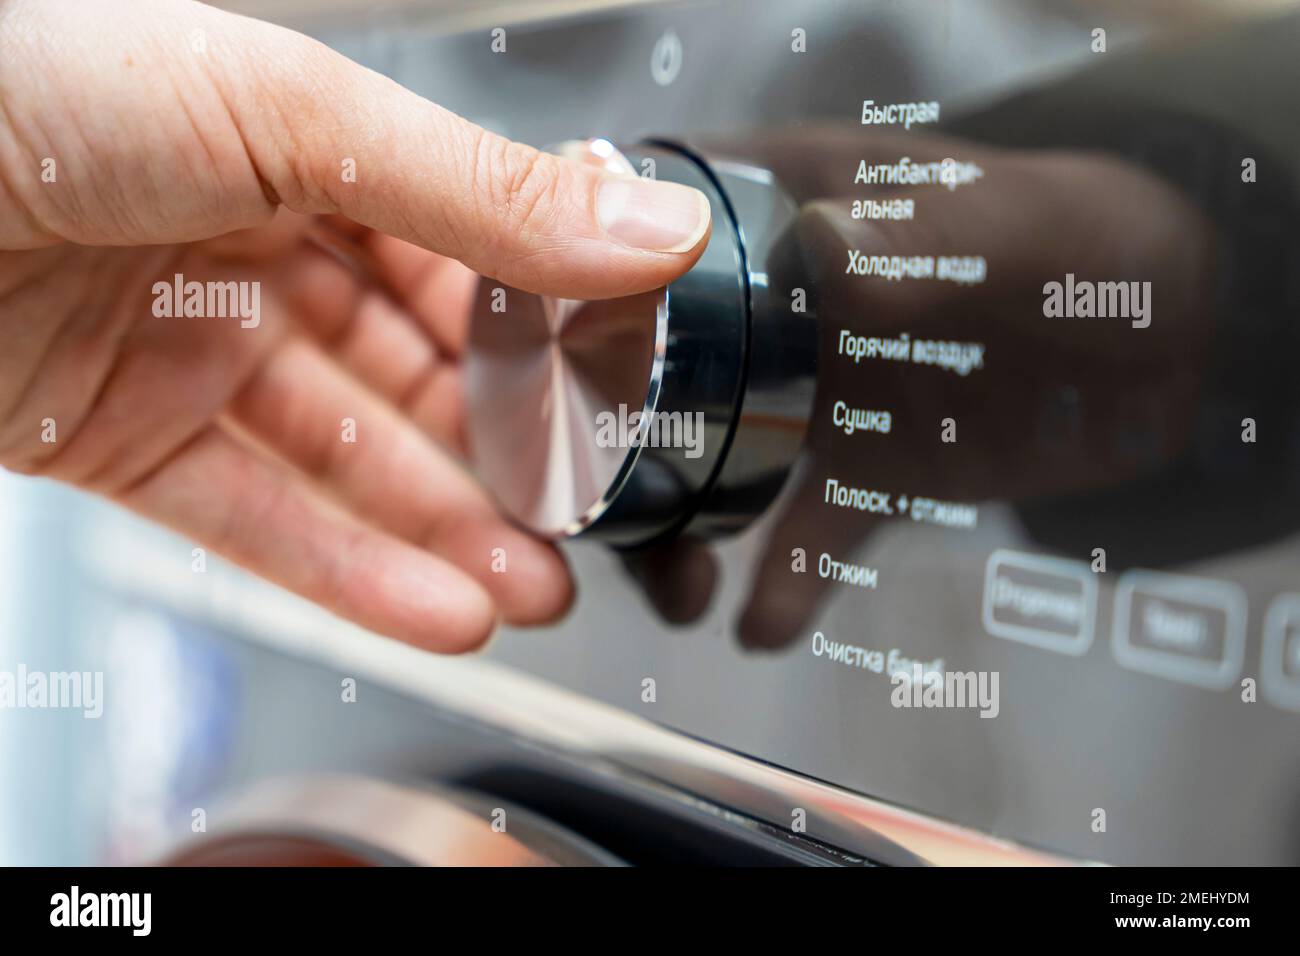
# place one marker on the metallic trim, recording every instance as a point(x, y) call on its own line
point(373, 822)
point(535, 710)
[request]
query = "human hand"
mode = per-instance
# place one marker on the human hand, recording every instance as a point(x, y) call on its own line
point(333, 220)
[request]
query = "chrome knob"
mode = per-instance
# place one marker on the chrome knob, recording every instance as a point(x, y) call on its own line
point(614, 418)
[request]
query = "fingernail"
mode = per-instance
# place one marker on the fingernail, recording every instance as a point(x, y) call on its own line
point(652, 215)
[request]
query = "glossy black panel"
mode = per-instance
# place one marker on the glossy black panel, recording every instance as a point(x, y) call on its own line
point(1146, 712)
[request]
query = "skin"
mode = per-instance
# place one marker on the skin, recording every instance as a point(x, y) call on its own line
point(224, 164)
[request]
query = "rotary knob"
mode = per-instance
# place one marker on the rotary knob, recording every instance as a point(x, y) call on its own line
point(614, 418)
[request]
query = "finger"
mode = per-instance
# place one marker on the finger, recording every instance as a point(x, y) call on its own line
point(783, 600)
point(136, 383)
point(279, 237)
point(678, 577)
point(388, 473)
point(533, 220)
point(369, 333)
point(437, 290)
point(219, 132)
point(262, 517)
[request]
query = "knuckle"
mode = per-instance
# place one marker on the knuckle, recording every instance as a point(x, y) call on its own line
point(521, 185)
point(291, 134)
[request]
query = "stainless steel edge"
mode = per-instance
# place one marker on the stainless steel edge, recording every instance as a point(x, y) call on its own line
point(533, 709)
point(365, 818)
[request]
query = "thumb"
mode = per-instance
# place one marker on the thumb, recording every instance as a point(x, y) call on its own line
point(217, 118)
point(534, 220)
